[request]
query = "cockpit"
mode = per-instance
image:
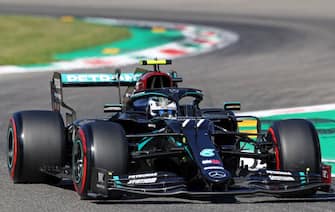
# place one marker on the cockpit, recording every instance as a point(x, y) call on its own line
point(166, 102)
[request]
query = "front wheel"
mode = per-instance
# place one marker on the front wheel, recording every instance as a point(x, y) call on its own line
point(101, 145)
point(296, 147)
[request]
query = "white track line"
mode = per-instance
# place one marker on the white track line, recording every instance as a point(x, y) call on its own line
point(293, 110)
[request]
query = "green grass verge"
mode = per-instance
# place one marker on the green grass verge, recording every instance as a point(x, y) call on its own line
point(32, 40)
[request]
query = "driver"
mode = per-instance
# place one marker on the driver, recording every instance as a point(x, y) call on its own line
point(162, 107)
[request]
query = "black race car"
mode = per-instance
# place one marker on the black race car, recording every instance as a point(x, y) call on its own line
point(158, 141)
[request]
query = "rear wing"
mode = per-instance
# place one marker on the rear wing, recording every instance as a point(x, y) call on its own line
point(63, 80)
point(97, 79)
point(117, 79)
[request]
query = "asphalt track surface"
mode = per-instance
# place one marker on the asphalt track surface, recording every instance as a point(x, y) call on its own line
point(285, 58)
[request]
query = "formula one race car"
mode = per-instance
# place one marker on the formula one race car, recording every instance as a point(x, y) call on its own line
point(160, 142)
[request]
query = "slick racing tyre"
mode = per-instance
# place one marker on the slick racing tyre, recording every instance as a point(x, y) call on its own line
point(35, 140)
point(100, 145)
point(296, 147)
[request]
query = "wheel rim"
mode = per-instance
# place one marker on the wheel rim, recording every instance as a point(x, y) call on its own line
point(276, 162)
point(78, 158)
point(11, 147)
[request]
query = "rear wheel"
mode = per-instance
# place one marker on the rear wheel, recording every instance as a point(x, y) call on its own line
point(98, 145)
point(296, 147)
point(35, 140)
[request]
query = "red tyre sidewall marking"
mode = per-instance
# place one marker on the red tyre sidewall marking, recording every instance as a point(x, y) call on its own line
point(274, 138)
point(83, 179)
point(12, 171)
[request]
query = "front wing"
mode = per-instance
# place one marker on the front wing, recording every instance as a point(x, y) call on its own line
point(166, 184)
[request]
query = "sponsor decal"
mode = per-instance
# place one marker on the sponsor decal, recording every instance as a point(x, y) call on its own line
point(207, 152)
point(142, 175)
point(80, 78)
point(143, 181)
point(100, 180)
point(112, 108)
point(66, 78)
point(213, 161)
point(281, 178)
point(152, 125)
point(172, 90)
point(100, 186)
point(217, 174)
point(278, 172)
point(206, 161)
point(101, 177)
point(213, 167)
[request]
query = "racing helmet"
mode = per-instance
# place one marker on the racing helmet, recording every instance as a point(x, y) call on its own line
point(153, 79)
point(162, 107)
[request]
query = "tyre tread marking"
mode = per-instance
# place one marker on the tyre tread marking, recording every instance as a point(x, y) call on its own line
point(84, 174)
point(12, 171)
point(274, 138)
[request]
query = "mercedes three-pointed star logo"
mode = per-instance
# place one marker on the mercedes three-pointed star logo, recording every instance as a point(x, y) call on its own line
point(217, 174)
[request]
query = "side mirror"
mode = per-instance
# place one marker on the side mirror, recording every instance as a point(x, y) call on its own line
point(232, 106)
point(113, 108)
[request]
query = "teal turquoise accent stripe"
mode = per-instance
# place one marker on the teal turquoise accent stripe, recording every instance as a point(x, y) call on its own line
point(188, 152)
point(302, 178)
point(117, 181)
point(141, 145)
